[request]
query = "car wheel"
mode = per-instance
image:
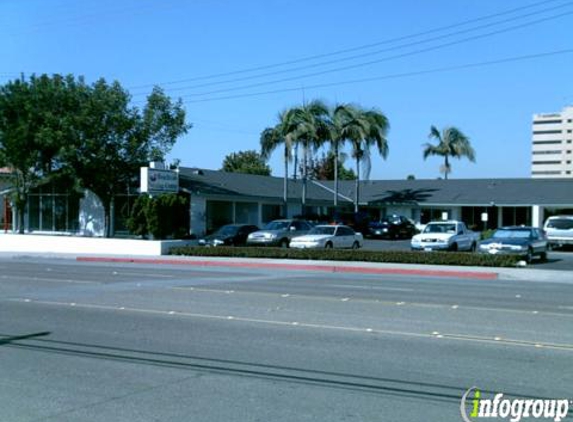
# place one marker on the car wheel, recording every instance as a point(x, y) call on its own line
point(454, 247)
point(328, 245)
point(284, 243)
point(473, 247)
point(529, 256)
point(355, 245)
point(543, 256)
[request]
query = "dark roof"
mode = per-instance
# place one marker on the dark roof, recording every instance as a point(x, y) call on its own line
point(211, 182)
point(469, 192)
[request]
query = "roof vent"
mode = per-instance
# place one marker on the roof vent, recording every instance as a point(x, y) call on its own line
point(198, 172)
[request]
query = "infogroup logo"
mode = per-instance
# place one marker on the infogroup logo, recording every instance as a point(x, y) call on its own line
point(513, 409)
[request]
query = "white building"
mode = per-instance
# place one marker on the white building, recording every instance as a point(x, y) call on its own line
point(552, 145)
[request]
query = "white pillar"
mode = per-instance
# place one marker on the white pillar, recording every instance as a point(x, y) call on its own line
point(537, 214)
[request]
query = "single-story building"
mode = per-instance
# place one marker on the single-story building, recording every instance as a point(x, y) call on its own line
point(218, 198)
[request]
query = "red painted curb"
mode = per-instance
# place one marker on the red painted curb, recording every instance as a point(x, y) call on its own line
point(305, 267)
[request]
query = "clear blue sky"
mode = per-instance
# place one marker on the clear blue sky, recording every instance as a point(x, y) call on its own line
point(390, 46)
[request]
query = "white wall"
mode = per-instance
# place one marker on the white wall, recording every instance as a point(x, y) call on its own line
point(92, 215)
point(83, 245)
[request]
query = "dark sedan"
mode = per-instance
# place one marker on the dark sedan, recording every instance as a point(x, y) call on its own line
point(393, 227)
point(526, 242)
point(229, 235)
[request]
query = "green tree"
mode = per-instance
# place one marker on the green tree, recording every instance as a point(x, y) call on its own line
point(324, 168)
point(249, 162)
point(35, 124)
point(283, 133)
point(115, 139)
point(451, 143)
point(363, 129)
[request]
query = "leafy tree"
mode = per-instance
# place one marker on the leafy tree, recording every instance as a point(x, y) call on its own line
point(164, 216)
point(115, 139)
point(249, 162)
point(35, 124)
point(451, 143)
point(324, 168)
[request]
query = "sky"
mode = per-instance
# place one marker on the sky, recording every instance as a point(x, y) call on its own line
point(484, 66)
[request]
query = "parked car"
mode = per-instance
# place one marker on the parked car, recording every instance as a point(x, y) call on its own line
point(278, 233)
point(328, 236)
point(559, 230)
point(526, 242)
point(445, 235)
point(229, 235)
point(392, 227)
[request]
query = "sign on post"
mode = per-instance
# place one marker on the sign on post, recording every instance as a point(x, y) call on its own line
point(156, 181)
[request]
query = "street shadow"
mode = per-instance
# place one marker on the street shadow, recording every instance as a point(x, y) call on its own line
point(11, 339)
point(425, 391)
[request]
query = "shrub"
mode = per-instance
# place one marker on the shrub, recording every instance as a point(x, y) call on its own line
point(164, 216)
point(405, 257)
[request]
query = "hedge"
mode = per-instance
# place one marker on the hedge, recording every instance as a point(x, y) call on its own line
point(403, 257)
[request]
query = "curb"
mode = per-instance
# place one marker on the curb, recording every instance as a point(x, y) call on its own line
point(332, 268)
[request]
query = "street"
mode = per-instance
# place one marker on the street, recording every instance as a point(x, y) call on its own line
point(123, 342)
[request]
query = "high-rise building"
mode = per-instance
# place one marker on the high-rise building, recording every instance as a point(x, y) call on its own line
point(552, 147)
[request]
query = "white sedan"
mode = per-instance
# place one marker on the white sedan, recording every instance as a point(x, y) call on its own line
point(328, 237)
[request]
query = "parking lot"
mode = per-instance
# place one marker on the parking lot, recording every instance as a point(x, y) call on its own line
point(561, 259)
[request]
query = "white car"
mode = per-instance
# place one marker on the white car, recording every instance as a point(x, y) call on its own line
point(559, 229)
point(328, 237)
point(448, 235)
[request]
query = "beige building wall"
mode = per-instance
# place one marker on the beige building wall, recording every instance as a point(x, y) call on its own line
point(552, 145)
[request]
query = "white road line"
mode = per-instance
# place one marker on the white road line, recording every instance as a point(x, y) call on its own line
point(390, 289)
point(434, 334)
point(51, 280)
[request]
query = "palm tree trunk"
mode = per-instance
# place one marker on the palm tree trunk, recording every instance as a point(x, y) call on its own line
point(285, 184)
point(295, 169)
point(304, 174)
point(357, 186)
point(446, 167)
point(335, 175)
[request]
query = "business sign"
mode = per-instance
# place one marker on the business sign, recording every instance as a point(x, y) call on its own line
point(159, 181)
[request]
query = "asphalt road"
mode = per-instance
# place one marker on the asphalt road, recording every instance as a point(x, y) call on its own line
point(101, 342)
point(559, 259)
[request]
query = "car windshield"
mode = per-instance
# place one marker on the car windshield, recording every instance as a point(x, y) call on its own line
point(512, 234)
point(227, 231)
point(322, 230)
point(560, 223)
point(440, 228)
point(277, 225)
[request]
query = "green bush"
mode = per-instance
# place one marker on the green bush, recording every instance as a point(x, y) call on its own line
point(404, 257)
point(163, 216)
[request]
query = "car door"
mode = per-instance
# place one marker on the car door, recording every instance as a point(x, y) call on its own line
point(339, 239)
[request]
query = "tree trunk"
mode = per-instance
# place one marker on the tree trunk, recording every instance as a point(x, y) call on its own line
point(356, 192)
point(335, 175)
point(21, 208)
point(447, 167)
point(304, 174)
point(285, 184)
point(295, 169)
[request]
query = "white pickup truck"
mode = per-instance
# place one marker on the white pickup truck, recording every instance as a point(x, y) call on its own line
point(445, 235)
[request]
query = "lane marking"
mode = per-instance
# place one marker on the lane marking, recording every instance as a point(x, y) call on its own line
point(384, 302)
point(434, 334)
point(50, 280)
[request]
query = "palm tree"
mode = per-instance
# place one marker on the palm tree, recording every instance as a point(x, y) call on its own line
point(312, 130)
point(451, 143)
point(363, 129)
point(283, 133)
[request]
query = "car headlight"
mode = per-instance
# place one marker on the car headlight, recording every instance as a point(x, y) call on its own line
point(517, 247)
point(217, 242)
point(270, 235)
